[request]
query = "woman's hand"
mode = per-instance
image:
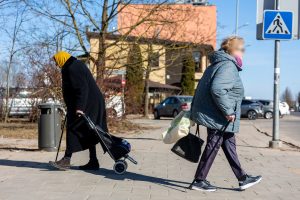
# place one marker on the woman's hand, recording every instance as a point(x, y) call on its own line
point(79, 112)
point(230, 118)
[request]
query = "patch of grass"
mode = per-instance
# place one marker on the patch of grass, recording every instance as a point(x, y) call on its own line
point(123, 126)
point(19, 130)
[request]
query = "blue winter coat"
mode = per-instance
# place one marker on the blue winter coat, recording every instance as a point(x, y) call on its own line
point(219, 93)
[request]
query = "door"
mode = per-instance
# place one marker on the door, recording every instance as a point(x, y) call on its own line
point(163, 107)
point(170, 106)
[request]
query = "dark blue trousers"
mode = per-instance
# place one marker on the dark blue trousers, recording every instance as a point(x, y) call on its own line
point(215, 140)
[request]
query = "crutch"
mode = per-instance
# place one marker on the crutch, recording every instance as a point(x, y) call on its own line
point(62, 133)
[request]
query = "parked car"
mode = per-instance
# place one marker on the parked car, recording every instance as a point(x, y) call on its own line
point(171, 106)
point(251, 109)
point(284, 109)
point(20, 105)
point(268, 108)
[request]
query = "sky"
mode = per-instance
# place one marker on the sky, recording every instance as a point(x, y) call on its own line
point(258, 70)
point(258, 66)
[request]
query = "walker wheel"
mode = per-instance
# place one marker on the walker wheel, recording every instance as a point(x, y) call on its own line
point(120, 167)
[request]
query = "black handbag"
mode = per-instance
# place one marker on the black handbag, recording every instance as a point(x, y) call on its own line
point(189, 147)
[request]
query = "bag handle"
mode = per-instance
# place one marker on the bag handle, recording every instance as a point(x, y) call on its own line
point(197, 131)
point(225, 127)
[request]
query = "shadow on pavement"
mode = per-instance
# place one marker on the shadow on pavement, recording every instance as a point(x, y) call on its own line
point(18, 149)
point(25, 164)
point(110, 174)
point(172, 184)
point(231, 189)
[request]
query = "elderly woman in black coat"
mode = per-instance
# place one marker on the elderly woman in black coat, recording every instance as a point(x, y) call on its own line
point(81, 95)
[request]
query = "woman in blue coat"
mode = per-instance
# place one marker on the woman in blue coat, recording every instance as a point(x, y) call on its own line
point(218, 100)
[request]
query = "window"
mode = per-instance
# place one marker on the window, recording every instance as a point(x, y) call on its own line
point(170, 100)
point(167, 101)
point(186, 99)
point(246, 102)
point(197, 60)
point(154, 59)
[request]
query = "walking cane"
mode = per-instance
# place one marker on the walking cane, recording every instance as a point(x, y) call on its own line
point(61, 136)
point(62, 131)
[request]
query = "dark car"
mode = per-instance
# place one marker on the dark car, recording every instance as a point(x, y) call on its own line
point(251, 109)
point(171, 106)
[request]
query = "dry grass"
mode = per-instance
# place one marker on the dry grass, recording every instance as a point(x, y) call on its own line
point(19, 130)
point(118, 127)
point(26, 130)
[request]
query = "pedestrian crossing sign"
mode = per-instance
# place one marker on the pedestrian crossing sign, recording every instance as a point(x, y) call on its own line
point(278, 25)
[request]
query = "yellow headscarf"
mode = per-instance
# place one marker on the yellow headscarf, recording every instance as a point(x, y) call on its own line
point(61, 58)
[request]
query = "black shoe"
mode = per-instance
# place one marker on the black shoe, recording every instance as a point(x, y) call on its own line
point(63, 164)
point(91, 165)
point(203, 186)
point(249, 181)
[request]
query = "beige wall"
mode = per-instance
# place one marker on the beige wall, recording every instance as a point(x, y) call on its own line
point(116, 57)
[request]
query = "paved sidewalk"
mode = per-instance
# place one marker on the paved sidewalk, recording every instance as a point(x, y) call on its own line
point(159, 174)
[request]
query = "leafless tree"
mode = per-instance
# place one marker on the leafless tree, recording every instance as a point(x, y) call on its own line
point(13, 35)
point(287, 97)
point(76, 15)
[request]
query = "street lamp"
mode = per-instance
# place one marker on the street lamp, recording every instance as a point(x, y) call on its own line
point(237, 17)
point(240, 27)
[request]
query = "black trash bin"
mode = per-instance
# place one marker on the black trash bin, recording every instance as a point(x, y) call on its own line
point(49, 126)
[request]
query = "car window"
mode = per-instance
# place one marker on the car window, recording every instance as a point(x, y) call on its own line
point(265, 103)
point(172, 100)
point(176, 101)
point(246, 102)
point(166, 101)
point(185, 99)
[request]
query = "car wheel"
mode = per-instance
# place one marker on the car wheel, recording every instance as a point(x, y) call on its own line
point(156, 115)
point(175, 113)
point(268, 115)
point(252, 115)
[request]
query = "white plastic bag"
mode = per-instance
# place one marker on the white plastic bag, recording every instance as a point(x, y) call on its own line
point(179, 128)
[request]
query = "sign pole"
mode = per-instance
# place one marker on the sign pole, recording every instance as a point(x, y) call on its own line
point(276, 143)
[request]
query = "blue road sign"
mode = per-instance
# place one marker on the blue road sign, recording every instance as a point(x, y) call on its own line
point(278, 25)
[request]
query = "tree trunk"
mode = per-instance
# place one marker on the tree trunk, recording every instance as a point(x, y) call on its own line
point(147, 76)
point(102, 49)
point(146, 100)
point(7, 93)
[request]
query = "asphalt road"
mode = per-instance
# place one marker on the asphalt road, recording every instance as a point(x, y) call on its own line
point(289, 126)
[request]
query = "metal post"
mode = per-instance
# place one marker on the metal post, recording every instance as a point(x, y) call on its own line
point(123, 95)
point(276, 143)
point(237, 17)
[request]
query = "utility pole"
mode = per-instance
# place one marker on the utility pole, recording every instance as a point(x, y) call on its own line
point(276, 143)
point(237, 17)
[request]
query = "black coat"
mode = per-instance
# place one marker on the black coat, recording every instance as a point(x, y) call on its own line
point(80, 92)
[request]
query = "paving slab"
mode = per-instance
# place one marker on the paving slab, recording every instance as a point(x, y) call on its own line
point(159, 175)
